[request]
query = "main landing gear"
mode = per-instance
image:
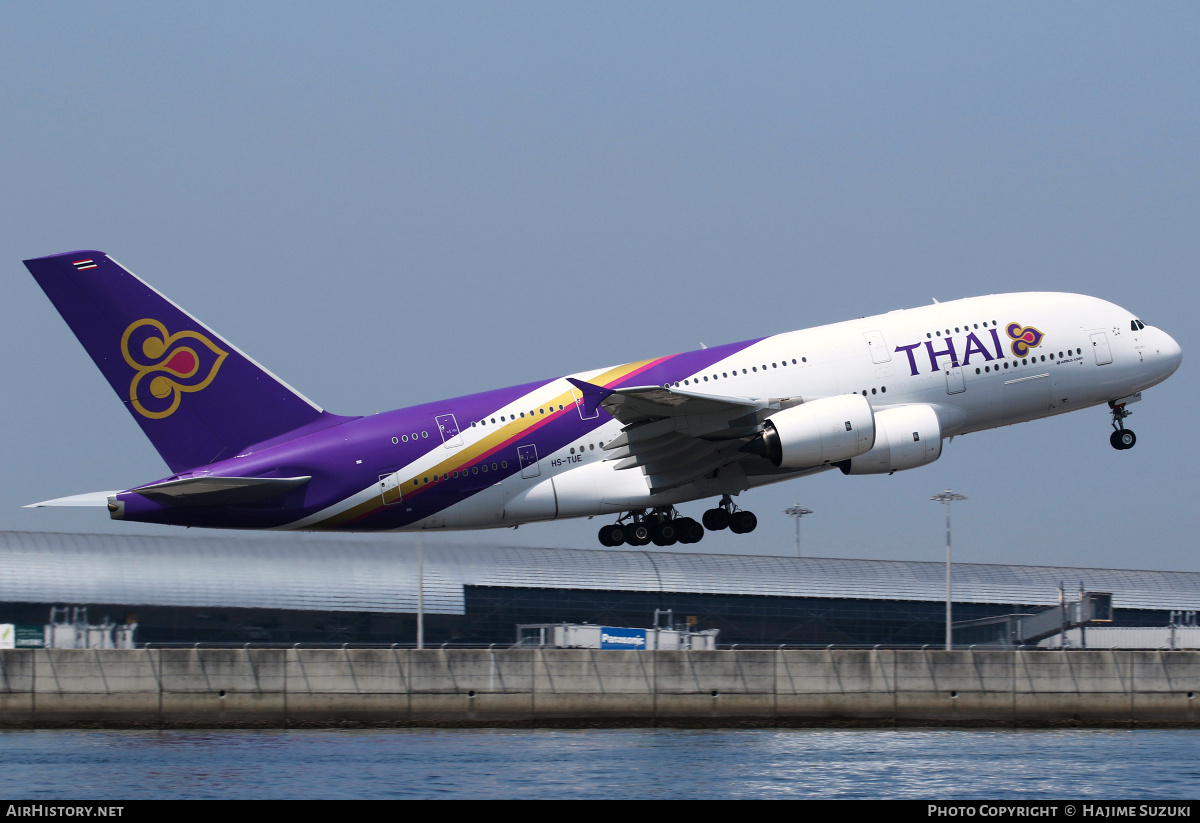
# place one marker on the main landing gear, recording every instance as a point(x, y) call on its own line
point(665, 527)
point(1121, 438)
point(728, 516)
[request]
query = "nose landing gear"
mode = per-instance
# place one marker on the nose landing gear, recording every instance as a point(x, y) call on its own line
point(1121, 438)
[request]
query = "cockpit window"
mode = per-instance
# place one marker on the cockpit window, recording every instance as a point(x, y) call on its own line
point(1136, 325)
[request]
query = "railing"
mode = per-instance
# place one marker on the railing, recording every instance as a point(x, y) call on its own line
point(721, 647)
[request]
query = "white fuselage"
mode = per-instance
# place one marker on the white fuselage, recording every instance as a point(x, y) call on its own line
point(957, 357)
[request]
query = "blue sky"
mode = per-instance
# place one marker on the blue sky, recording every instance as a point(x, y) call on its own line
point(388, 203)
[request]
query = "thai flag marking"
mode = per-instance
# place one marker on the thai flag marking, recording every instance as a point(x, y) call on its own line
point(83, 264)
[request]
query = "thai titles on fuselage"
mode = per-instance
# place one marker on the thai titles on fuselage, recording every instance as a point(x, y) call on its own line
point(989, 348)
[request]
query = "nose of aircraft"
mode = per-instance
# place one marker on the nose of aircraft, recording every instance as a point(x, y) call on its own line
point(1171, 353)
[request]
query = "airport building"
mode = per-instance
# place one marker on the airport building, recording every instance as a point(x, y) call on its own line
point(313, 589)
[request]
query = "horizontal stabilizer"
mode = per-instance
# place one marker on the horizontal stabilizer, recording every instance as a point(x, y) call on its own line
point(89, 499)
point(218, 491)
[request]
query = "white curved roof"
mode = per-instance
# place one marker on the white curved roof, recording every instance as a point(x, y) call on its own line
point(307, 573)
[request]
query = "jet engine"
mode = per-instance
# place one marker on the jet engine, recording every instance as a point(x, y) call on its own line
point(828, 430)
point(905, 437)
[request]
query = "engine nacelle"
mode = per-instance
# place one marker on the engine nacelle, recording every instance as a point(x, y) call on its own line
point(823, 431)
point(905, 437)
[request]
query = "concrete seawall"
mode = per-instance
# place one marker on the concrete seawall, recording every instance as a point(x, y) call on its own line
point(580, 687)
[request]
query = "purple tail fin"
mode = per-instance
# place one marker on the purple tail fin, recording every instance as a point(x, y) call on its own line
point(195, 396)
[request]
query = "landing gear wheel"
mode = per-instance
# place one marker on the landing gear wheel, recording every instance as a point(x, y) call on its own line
point(665, 533)
point(1123, 439)
point(742, 522)
point(689, 530)
point(613, 535)
point(716, 519)
point(637, 535)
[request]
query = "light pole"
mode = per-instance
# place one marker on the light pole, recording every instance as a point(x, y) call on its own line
point(797, 512)
point(948, 497)
point(420, 593)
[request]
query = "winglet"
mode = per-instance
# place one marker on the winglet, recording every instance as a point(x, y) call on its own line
point(593, 395)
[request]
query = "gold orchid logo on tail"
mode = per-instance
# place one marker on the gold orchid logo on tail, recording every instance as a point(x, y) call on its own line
point(167, 366)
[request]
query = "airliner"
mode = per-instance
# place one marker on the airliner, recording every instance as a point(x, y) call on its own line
point(627, 443)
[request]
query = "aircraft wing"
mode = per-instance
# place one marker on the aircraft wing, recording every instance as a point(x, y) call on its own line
point(676, 436)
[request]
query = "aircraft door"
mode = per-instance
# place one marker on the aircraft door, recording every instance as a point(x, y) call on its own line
point(954, 376)
point(878, 346)
point(1100, 348)
point(448, 426)
point(528, 458)
point(579, 404)
point(389, 488)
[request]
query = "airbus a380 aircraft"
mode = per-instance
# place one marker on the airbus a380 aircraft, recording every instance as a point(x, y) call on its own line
point(869, 396)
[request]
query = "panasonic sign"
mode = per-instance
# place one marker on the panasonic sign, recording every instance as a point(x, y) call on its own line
point(622, 638)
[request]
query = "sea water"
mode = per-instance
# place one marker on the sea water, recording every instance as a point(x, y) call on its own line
point(631, 763)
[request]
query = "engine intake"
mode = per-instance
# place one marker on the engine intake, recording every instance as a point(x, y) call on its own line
point(905, 437)
point(828, 430)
